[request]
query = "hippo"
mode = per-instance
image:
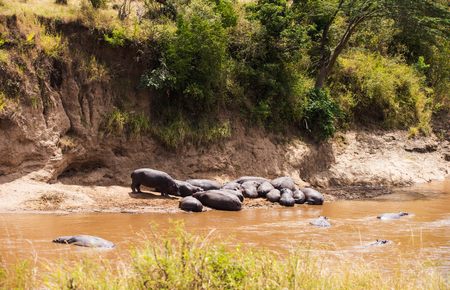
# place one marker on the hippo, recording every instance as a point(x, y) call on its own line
point(186, 189)
point(250, 190)
point(85, 241)
point(299, 196)
point(233, 186)
point(257, 179)
point(219, 199)
point(379, 243)
point(322, 221)
point(312, 196)
point(286, 198)
point(190, 203)
point(235, 192)
point(284, 182)
point(264, 188)
point(206, 184)
point(273, 195)
point(155, 179)
point(392, 216)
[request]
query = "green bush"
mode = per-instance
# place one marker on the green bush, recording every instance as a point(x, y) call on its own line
point(116, 37)
point(382, 90)
point(119, 123)
point(192, 70)
point(321, 114)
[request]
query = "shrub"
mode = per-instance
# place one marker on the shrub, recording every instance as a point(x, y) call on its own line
point(119, 122)
point(4, 56)
point(321, 114)
point(116, 37)
point(2, 101)
point(98, 3)
point(192, 70)
point(52, 44)
point(95, 70)
point(382, 90)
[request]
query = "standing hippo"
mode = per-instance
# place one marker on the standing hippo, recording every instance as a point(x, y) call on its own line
point(190, 203)
point(322, 222)
point(264, 188)
point(219, 199)
point(186, 189)
point(206, 184)
point(85, 241)
point(312, 196)
point(284, 182)
point(299, 196)
point(273, 195)
point(155, 179)
point(286, 198)
point(392, 216)
point(250, 190)
point(257, 179)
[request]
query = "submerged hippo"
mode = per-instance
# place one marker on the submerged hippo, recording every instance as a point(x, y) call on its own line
point(379, 243)
point(273, 195)
point(392, 216)
point(186, 189)
point(250, 189)
point(85, 241)
point(190, 203)
point(257, 179)
point(219, 199)
point(159, 181)
point(322, 221)
point(287, 198)
point(206, 184)
point(284, 182)
point(299, 196)
point(264, 188)
point(312, 196)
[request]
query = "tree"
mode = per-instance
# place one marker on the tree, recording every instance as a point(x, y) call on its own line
point(324, 16)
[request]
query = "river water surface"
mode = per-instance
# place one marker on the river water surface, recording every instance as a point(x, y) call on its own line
point(424, 235)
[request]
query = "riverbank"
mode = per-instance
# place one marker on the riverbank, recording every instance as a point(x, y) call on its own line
point(353, 165)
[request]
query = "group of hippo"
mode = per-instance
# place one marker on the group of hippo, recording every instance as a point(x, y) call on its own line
point(197, 193)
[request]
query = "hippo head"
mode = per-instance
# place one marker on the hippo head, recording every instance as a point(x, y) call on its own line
point(403, 213)
point(173, 188)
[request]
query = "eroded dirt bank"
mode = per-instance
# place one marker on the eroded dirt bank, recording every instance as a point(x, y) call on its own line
point(353, 165)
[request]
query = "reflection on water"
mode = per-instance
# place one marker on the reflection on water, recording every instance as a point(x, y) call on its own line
point(424, 234)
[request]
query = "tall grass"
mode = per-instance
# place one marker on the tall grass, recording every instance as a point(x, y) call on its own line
point(180, 260)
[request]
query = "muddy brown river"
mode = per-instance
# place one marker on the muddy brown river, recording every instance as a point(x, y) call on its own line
point(424, 235)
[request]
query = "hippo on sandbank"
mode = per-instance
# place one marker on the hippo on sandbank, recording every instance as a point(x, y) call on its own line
point(264, 188)
point(250, 189)
point(206, 184)
point(284, 182)
point(286, 198)
point(274, 195)
point(219, 199)
point(392, 216)
point(190, 203)
point(312, 196)
point(85, 241)
point(235, 192)
point(186, 189)
point(233, 186)
point(299, 196)
point(257, 179)
point(159, 181)
point(322, 222)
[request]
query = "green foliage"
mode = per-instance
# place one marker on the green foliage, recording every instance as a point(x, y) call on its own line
point(116, 37)
point(382, 90)
point(4, 56)
point(2, 101)
point(421, 66)
point(192, 69)
point(225, 8)
point(321, 114)
point(119, 123)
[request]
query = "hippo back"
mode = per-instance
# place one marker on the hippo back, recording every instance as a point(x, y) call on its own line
point(219, 199)
point(206, 184)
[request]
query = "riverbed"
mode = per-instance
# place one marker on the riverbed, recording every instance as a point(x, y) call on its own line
point(423, 235)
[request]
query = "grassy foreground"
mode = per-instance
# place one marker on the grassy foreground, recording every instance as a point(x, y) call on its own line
point(185, 261)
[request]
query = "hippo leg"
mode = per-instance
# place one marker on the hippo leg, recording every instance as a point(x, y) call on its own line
point(135, 187)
